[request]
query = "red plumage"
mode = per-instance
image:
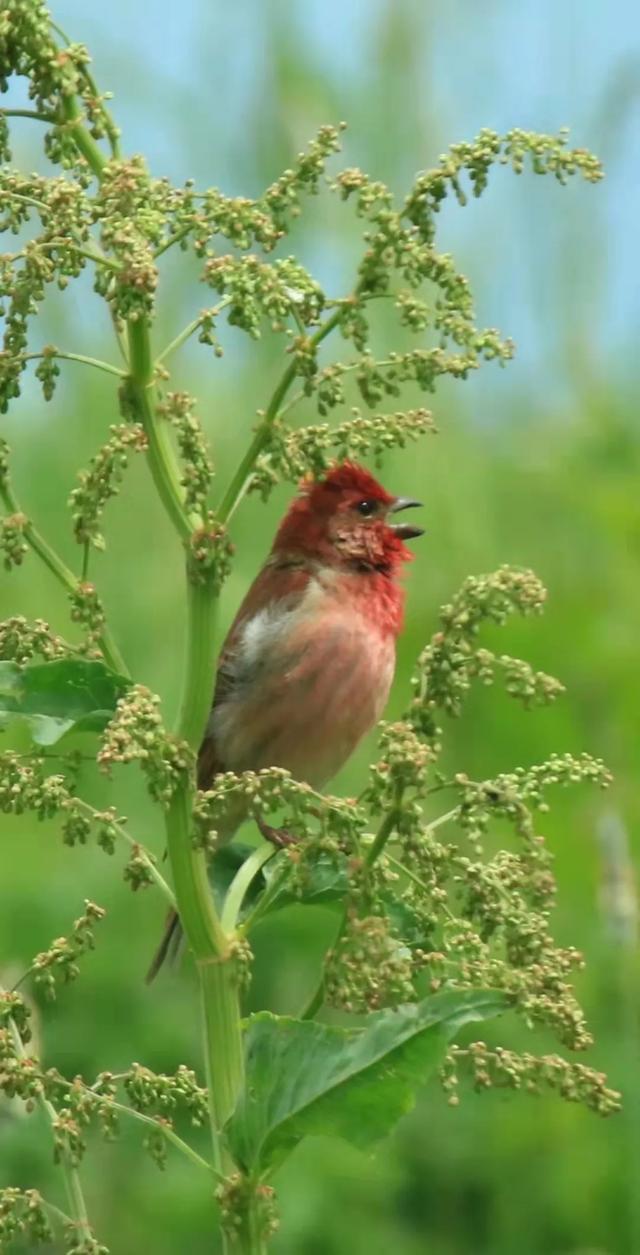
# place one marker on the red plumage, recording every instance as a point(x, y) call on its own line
point(307, 665)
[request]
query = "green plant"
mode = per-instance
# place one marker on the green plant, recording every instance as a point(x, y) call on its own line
point(432, 934)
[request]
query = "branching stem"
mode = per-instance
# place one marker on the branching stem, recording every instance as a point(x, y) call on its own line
point(240, 480)
point(61, 572)
point(241, 882)
point(375, 849)
point(39, 115)
point(140, 850)
point(189, 330)
point(75, 1194)
point(61, 355)
point(162, 460)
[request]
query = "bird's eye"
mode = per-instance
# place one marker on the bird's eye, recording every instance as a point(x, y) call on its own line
point(367, 508)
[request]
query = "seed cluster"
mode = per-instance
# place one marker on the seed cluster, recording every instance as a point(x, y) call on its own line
point(20, 641)
point(294, 453)
point(457, 918)
point(159, 1099)
point(60, 961)
point(136, 734)
point(534, 1074)
point(101, 482)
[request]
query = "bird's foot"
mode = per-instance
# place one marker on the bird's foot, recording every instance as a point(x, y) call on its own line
point(277, 836)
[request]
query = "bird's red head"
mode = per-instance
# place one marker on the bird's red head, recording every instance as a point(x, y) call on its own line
point(342, 520)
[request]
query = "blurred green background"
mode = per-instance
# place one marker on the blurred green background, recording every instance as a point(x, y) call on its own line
point(535, 465)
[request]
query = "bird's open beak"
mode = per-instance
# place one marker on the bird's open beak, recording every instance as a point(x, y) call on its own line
point(404, 530)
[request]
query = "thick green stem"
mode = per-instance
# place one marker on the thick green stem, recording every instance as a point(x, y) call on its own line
point(213, 950)
point(161, 457)
point(193, 895)
point(83, 140)
point(249, 1237)
point(219, 987)
point(217, 965)
point(197, 692)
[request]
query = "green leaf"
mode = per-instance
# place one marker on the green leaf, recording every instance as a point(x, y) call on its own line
point(326, 883)
point(53, 698)
point(304, 1078)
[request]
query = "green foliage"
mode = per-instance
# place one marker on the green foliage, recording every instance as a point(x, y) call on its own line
point(57, 697)
point(433, 934)
point(305, 1078)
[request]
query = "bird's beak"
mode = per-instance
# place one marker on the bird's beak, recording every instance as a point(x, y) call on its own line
point(404, 530)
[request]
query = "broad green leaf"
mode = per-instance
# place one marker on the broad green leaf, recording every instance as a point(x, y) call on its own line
point(304, 1078)
point(53, 698)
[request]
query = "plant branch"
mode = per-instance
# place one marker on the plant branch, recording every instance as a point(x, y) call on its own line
point(375, 849)
point(110, 126)
point(39, 115)
point(161, 457)
point(241, 882)
point(44, 245)
point(72, 1180)
point(57, 1212)
point(198, 683)
point(78, 357)
point(140, 850)
point(61, 572)
point(188, 331)
point(264, 902)
point(213, 950)
point(240, 480)
point(384, 831)
point(179, 340)
point(85, 142)
point(173, 239)
point(163, 1127)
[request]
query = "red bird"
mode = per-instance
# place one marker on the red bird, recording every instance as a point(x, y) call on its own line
point(307, 666)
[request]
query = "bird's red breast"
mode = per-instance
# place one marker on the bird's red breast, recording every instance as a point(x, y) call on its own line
point(307, 666)
point(305, 672)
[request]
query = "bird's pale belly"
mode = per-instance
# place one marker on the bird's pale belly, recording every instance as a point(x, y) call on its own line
point(309, 695)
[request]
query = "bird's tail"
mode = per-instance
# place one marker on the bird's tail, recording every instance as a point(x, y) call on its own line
point(169, 945)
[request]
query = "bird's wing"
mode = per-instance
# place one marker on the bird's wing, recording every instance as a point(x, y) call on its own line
point(281, 581)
